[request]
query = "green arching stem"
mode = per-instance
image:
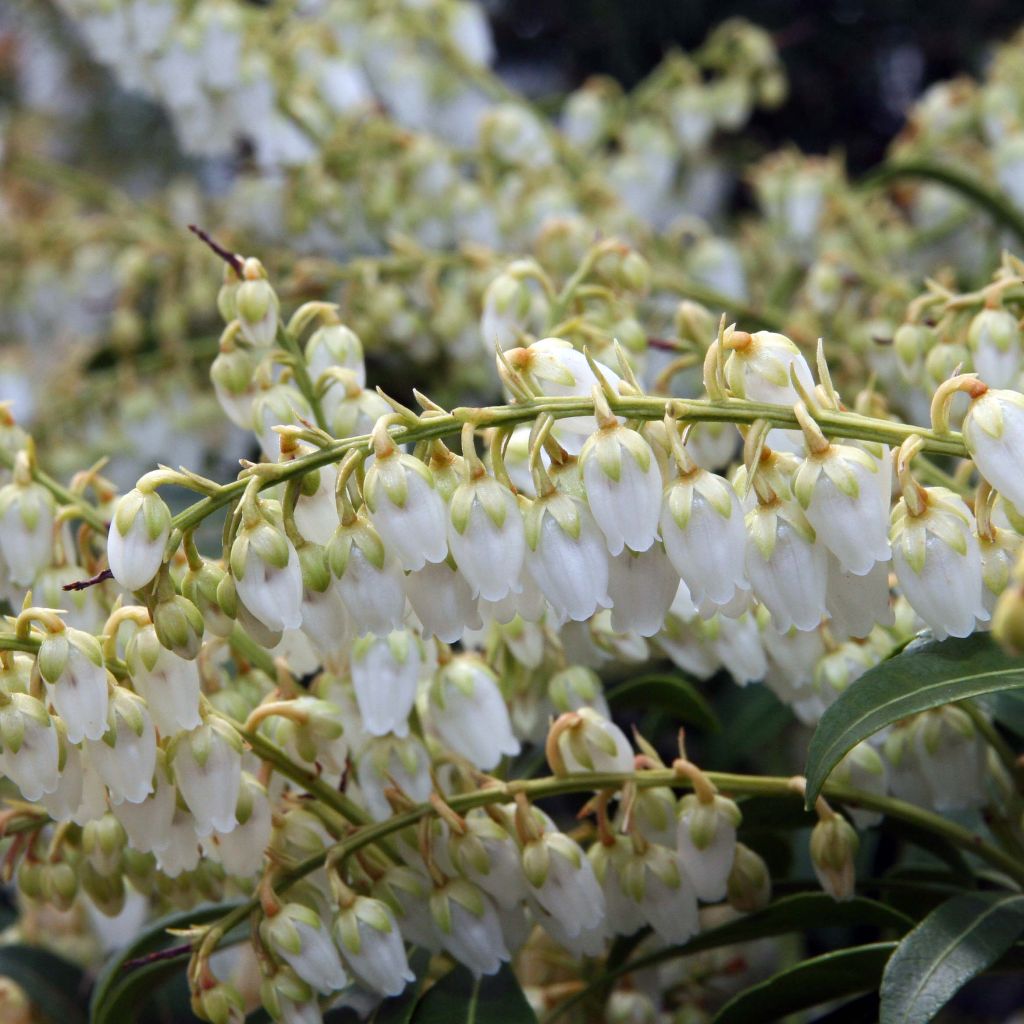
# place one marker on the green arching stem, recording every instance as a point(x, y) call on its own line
point(537, 789)
point(82, 508)
point(966, 184)
point(732, 410)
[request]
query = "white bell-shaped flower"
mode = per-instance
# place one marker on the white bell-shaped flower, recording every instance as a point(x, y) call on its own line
point(256, 302)
point(335, 345)
point(707, 843)
point(169, 684)
point(137, 538)
point(207, 766)
point(182, 851)
point(994, 338)
point(760, 365)
point(27, 518)
point(30, 754)
point(856, 604)
point(487, 537)
point(406, 891)
point(267, 574)
point(488, 855)
point(385, 671)
point(863, 769)
point(370, 579)
point(623, 484)
point(584, 741)
point(993, 431)
point(663, 892)
point(952, 755)
point(937, 560)
point(371, 945)
point(567, 556)
point(561, 880)
point(702, 528)
point(577, 687)
point(241, 851)
point(642, 588)
point(65, 799)
point(623, 915)
point(148, 823)
point(468, 926)
point(316, 510)
point(232, 374)
point(443, 601)
point(125, 757)
point(387, 760)
point(326, 621)
point(297, 936)
point(71, 664)
point(786, 568)
point(404, 504)
point(470, 714)
point(844, 494)
point(274, 406)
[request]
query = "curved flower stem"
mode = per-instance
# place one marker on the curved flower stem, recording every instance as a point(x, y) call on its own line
point(731, 410)
point(535, 789)
point(80, 508)
point(966, 184)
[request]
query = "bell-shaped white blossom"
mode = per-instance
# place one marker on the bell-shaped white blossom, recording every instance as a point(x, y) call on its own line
point(844, 493)
point(406, 891)
point(938, 563)
point(241, 851)
point(588, 742)
point(952, 756)
point(168, 684)
point(297, 936)
point(137, 538)
point(148, 823)
point(268, 576)
point(207, 766)
point(702, 528)
point(487, 854)
point(125, 757)
point(642, 588)
point(567, 556)
point(623, 486)
point(561, 880)
point(993, 431)
point(316, 510)
point(27, 517)
point(469, 712)
point(994, 338)
point(71, 664)
point(182, 851)
point(442, 600)
point(786, 568)
point(277, 405)
point(707, 843)
point(29, 746)
point(387, 760)
point(856, 604)
point(385, 671)
point(369, 578)
point(371, 946)
point(468, 927)
point(335, 345)
point(487, 537)
point(760, 365)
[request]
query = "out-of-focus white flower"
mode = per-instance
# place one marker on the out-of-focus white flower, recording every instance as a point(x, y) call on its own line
point(298, 936)
point(71, 664)
point(207, 766)
point(370, 943)
point(385, 671)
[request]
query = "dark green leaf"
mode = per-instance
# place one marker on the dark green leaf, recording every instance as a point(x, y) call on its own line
point(857, 1011)
point(120, 991)
point(459, 998)
point(798, 912)
point(924, 675)
point(56, 988)
point(671, 691)
point(810, 983)
point(1007, 708)
point(954, 943)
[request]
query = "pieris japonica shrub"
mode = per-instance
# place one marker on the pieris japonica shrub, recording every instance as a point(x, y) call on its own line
point(671, 609)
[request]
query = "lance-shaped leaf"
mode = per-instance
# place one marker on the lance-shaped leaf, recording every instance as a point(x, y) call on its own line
point(668, 690)
point(954, 943)
point(922, 676)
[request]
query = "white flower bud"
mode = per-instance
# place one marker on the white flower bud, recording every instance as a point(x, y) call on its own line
point(468, 926)
point(232, 374)
point(27, 517)
point(469, 712)
point(487, 537)
point(577, 687)
point(844, 493)
point(385, 671)
point(207, 766)
point(623, 486)
point(138, 535)
point(993, 431)
point(30, 754)
point(834, 845)
point(952, 758)
point(169, 685)
point(567, 556)
point(786, 569)
point(707, 843)
point(148, 824)
point(506, 307)
point(487, 854)
point(71, 664)
point(995, 341)
point(125, 757)
point(316, 510)
point(405, 892)
point(588, 742)
point(642, 588)
point(863, 769)
point(256, 305)
point(702, 527)
point(370, 579)
point(856, 604)
point(267, 574)
point(182, 850)
point(296, 935)
point(335, 345)
point(759, 369)
point(278, 405)
point(241, 850)
point(938, 563)
point(370, 943)
point(406, 509)
point(443, 601)
point(561, 880)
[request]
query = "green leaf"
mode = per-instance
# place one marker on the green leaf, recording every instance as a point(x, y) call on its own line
point(923, 676)
point(1007, 708)
point(822, 979)
point(798, 912)
point(121, 991)
point(671, 691)
point(954, 943)
point(56, 988)
point(459, 998)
